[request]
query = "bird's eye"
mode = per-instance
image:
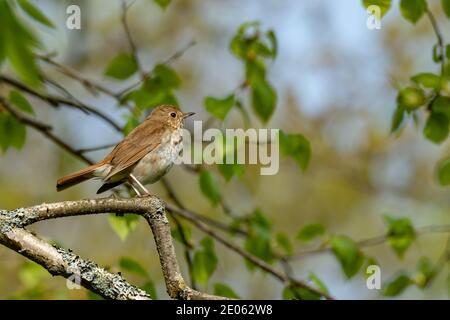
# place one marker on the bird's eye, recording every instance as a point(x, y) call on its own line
point(173, 114)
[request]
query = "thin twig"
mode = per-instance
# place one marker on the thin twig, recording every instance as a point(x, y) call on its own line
point(57, 101)
point(42, 128)
point(96, 148)
point(187, 245)
point(374, 241)
point(439, 37)
point(258, 262)
point(133, 49)
point(178, 54)
point(88, 84)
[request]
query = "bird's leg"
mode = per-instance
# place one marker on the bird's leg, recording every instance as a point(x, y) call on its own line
point(138, 193)
point(140, 185)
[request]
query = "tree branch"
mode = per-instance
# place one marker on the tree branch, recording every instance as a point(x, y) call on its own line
point(372, 241)
point(255, 260)
point(178, 54)
point(60, 262)
point(133, 49)
point(45, 129)
point(57, 101)
point(55, 260)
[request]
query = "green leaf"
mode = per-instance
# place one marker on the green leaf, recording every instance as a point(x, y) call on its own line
point(370, 261)
point(427, 79)
point(221, 289)
point(441, 105)
point(446, 7)
point(285, 243)
point(151, 96)
point(437, 57)
point(150, 288)
point(20, 101)
point(258, 241)
point(447, 49)
point(143, 98)
point(219, 108)
point(413, 10)
point(310, 231)
point(384, 5)
point(274, 43)
point(436, 127)
point(318, 283)
point(156, 90)
point(446, 72)
point(397, 118)
point(297, 293)
point(132, 122)
point(209, 187)
point(24, 63)
point(31, 274)
point(133, 266)
point(425, 272)
point(35, 13)
point(187, 232)
point(264, 99)
point(12, 132)
point(443, 172)
point(400, 234)
point(411, 98)
point(231, 147)
point(230, 170)
point(162, 3)
point(166, 77)
point(18, 45)
point(242, 42)
point(255, 71)
point(397, 286)
point(348, 254)
point(205, 261)
point(18, 134)
point(121, 67)
point(123, 225)
point(297, 147)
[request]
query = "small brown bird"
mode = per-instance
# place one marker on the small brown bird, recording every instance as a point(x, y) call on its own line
point(145, 155)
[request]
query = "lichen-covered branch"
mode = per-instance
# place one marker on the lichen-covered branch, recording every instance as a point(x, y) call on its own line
point(64, 263)
point(61, 262)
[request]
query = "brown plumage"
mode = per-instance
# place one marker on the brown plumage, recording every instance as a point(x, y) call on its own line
point(146, 154)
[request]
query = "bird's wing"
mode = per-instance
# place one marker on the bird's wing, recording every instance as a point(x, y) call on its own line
point(141, 141)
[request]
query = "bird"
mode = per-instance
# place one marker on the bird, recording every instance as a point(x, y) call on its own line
point(143, 157)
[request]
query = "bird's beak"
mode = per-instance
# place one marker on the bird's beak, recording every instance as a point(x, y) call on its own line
point(188, 114)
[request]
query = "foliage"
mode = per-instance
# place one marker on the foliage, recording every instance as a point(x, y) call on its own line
point(132, 266)
point(205, 261)
point(348, 254)
point(400, 234)
point(256, 48)
point(123, 225)
point(222, 289)
point(310, 231)
point(209, 188)
point(121, 67)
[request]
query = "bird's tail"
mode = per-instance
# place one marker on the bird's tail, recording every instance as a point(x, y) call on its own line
point(78, 176)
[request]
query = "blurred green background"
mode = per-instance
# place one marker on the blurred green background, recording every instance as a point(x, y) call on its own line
point(336, 82)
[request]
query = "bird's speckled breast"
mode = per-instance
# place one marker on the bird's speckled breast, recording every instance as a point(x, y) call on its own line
point(158, 162)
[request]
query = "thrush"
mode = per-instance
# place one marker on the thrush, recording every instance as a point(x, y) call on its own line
point(144, 156)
